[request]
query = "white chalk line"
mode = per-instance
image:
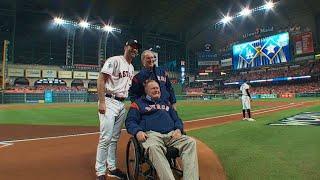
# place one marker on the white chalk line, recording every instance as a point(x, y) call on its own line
point(4, 144)
point(52, 137)
point(260, 111)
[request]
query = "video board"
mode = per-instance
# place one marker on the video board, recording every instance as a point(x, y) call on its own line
point(265, 51)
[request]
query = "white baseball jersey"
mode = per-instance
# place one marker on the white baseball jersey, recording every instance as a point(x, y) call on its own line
point(243, 89)
point(245, 97)
point(121, 73)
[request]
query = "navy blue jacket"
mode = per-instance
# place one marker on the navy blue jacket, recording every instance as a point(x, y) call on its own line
point(145, 115)
point(158, 74)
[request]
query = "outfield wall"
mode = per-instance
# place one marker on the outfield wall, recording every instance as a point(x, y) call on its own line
point(82, 97)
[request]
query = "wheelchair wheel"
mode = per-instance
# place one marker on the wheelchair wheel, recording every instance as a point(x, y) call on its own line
point(132, 159)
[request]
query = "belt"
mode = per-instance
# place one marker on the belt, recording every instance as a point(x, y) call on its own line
point(115, 97)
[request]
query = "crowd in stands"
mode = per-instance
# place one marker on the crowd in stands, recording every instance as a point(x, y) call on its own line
point(194, 91)
point(286, 71)
point(311, 87)
point(42, 88)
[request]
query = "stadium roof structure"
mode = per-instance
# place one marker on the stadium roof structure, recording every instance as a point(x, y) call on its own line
point(166, 16)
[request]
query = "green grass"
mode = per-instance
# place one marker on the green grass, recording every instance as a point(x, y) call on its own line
point(247, 150)
point(254, 150)
point(87, 116)
point(82, 116)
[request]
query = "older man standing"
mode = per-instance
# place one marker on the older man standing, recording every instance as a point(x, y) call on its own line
point(157, 126)
point(150, 71)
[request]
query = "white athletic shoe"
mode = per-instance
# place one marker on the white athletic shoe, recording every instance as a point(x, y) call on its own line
point(251, 119)
point(244, 119)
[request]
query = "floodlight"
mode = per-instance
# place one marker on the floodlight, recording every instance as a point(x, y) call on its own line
point(108, 28)
point(269, 5)
point(245, 12)
point(84, 24)
point(226, 19)
point(58, 20)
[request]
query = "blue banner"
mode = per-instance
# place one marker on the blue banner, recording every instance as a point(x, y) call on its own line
point(48, 96)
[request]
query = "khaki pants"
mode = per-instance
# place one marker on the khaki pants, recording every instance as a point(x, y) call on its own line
point(155, 146)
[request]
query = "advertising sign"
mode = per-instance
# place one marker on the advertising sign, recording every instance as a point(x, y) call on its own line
point(15, 72)
point(33, 73)
point(49, 73)
point(303, 43)
point(93, 75)
point(65, 74)
point(79, 75)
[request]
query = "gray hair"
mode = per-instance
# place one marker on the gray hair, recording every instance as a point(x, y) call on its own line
point(144, 53)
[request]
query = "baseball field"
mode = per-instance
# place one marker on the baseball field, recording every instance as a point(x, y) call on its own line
point(31, 143)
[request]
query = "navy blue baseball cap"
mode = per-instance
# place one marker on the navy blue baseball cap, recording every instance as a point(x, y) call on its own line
point(133, 43)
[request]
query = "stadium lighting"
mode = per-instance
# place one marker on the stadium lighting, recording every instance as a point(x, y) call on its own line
point(108, 28)
point(84, 24)
point(58, 20)
point(226, 19)
point(269, 5)
point(245, 12)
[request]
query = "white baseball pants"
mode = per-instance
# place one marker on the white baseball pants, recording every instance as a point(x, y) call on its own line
point(245, 102)
point(110, 128)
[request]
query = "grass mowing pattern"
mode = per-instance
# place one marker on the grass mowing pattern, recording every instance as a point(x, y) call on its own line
point(254, 150)
point(87, 116)
point(80, 116)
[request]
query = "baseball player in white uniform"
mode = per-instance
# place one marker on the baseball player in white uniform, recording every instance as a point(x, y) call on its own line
point(246, 98)
point(113, 85)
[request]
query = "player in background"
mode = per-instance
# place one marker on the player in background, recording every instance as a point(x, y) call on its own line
point(113, 83)
point(246, 101)
point(151, 72)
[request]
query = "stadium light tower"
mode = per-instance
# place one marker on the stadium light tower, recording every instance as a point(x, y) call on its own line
point(108, 28)
point(84, 24)
point(226, 19)
point(58, 20)
point(269, 5)
point(245, 12)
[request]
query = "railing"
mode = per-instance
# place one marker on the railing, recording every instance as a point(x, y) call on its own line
point(82, 97)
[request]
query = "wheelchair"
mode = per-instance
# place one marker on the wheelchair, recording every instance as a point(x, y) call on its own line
point(140, 167)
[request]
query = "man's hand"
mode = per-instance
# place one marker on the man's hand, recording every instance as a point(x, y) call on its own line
point(102, 107)
point(141, 136)
point(176, 134)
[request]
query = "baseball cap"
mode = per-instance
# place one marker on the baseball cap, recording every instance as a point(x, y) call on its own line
point(133, 43)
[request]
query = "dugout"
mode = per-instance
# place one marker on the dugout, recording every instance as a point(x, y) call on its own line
point(21, 81)
point(77, 82)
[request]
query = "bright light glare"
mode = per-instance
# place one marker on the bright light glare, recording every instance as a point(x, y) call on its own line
point(84, 24)
point(108, 28)
point(269, 5)
point(226, 19)
point(58, 20)
point(245, 12)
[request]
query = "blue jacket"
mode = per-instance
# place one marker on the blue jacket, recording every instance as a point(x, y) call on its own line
point(146, 115)
point(158, 74)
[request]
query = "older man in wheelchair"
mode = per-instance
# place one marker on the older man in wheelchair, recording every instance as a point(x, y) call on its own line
point(158, 131)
